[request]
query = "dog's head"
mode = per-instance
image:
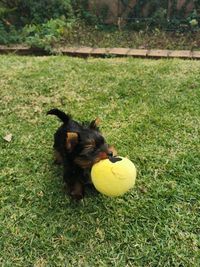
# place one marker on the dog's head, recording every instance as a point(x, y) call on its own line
point(88, 146)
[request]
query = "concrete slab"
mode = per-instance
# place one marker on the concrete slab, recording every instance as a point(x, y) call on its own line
point(66, 50)
point(100, 51)
point(157, 53)
point(180, 54)
point(119, 51)
point(84, 50)
point(195, 54)
point(137, 52)
point(89, 51)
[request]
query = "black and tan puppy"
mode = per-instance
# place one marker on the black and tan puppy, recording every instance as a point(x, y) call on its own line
point(78, 146)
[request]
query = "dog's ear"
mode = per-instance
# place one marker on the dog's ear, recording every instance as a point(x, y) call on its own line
point(72, 139)
point(95, 124)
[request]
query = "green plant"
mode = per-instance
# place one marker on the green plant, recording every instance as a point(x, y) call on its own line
point(36, 12)
point(8, 34)
point(194, 20)
point(46, 35)
point(159, 14)
point(3, 34)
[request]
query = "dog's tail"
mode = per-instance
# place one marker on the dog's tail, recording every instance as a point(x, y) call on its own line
point(60, 114)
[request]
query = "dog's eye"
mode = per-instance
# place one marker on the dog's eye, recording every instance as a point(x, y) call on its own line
point(89, 146)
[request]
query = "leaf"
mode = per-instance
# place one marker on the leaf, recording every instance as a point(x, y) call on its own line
point(8, 137)
point(100, 233)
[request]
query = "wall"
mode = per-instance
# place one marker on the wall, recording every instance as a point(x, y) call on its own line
point(117, 11)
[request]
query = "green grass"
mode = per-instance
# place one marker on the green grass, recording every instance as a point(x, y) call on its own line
point(150, 110)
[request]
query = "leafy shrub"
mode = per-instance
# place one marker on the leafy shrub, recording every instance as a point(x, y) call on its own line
point(158, 15)
point(36, 11)
point(42, 22)
point(9, 34)
point(46, 35)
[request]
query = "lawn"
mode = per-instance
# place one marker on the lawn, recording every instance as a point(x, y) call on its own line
point(150, 111)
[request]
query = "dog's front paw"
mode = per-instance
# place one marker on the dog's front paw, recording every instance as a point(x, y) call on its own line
point(77, 191)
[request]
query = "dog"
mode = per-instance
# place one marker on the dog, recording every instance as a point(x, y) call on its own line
point(78, 146)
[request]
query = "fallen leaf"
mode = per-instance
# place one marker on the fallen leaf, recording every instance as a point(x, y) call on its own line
point(40, 194)
point(8, 137)
point(37, 109)
point(143, 189)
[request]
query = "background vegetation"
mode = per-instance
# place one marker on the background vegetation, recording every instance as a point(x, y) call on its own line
point(43, 24)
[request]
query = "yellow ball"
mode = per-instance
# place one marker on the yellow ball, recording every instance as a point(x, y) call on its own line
point(113, 177)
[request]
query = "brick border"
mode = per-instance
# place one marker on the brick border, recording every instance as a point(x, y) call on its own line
point(103, 52)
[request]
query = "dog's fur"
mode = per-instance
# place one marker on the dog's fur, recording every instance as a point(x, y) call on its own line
point(78, 146)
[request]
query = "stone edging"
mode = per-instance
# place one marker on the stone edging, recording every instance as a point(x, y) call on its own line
point(103, 52)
